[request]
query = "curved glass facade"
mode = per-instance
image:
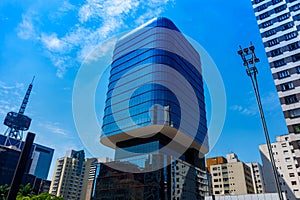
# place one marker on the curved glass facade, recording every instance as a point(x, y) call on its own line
point(144, 62)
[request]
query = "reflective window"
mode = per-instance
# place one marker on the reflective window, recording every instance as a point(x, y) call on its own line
point(287, 86)
point(290, 99)
point(276, 52)
point(283, 17)
point(279, 63)
point(295, 113)
point(273, 42)
point(294, 46)
point(280, 8)
point(276, 1)
point(296, 57)
point(283, 74)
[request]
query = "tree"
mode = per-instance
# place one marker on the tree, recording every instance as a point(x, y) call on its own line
point(4, 191)
point(25, 191)
point(46, 196)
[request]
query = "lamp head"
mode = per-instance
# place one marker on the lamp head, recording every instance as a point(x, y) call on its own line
point(251, 48)
point(240, 52)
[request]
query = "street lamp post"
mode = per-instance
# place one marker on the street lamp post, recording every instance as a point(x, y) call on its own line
point(249, 58)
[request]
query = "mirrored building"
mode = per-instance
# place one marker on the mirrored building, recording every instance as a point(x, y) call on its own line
point(154, 117)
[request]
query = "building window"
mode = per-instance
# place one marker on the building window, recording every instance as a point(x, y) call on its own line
point(296, 17)
point(294, 113)
point(283, 144)
point(267, 23)
point(296, 57)
point(292, 175)
point(270, 32)
point(279, 63)
point(283, 74)
point(294, 46)
point(290, 167)
point(264, 15)
point(288, 160)
point(295, 7)
point(286, 26)
point(280, 8)
point(296, 128)
point(276, 52)
point(273, 42)
point(283, 17)
point(262, 7)
point(290, 36)
point(294, 183)
point(276, 1)
point(290, 99)
point(298, 69)
point(287, 86)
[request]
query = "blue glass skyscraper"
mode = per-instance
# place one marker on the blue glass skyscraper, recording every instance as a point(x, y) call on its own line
point(146, 62)
point(40, 158)
point(155, 101)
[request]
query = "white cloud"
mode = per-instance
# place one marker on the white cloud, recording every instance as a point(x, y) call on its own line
point(52, 43)
point(26, 29)
point(96, 20)
point(243, 110)
point(270, 102)
point(53, 128)
point(11, 97)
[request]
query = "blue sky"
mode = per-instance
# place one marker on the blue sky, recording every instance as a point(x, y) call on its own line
point(50, 39)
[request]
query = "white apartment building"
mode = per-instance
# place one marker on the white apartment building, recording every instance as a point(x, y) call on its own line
point(279, 25)
point(264, 196)
point(287, 157)
point(257, 177)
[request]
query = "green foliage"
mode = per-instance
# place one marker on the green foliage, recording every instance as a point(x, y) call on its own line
point(3, 191)
point(27, 193)
point(46, 196)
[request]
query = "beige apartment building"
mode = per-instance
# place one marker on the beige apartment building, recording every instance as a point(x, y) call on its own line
point(231, 178)
point(70, 178)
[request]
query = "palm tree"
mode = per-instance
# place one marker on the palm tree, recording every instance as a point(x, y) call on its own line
point(25, 191)
point(4, 191)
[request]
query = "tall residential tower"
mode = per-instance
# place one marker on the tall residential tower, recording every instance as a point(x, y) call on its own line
point(279, 24)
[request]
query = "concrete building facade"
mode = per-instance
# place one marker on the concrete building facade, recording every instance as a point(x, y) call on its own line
point(231, 178)
point(268, 196)
point(279, 25)
point(70, 177)
point(286, 154)
point(257, 177)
